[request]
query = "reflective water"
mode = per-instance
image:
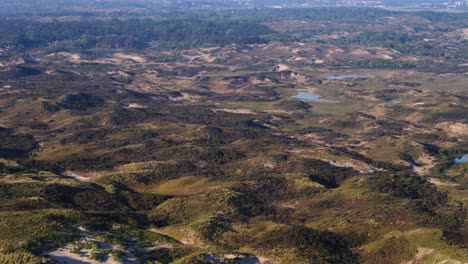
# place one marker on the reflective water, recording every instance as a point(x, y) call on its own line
point(462, 159)
point(344, 77)
point(312, 97)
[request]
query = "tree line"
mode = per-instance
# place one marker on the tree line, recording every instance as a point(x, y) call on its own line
point(131, 33)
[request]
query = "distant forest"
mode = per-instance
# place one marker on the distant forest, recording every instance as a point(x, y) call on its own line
point(132, 33)
point(189, 29)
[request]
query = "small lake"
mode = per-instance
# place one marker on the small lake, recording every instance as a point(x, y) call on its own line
point(312, 97)
point(348, 77)
point(462, 159)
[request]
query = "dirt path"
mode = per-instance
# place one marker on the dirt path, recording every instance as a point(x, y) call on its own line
point(77, 177)
point(204, 56)
point(235, 111)
point(422, 252)
point(438, 182)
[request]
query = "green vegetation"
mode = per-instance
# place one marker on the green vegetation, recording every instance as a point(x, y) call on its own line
point(391, 250)
point(419, 190)
point(169, 136)
point(313, 246)
point(12, 144)
point(129, 34)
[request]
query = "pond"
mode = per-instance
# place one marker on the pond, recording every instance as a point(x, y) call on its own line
point(312, 97)
point(346, 77)
point(462, 159)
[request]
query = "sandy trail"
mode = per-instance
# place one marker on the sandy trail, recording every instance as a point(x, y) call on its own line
point(427, 164)
point(64, 256)
point(235, 111)
point(201, 55)
point(438, 182)
point(77, 177)
point(422, 252)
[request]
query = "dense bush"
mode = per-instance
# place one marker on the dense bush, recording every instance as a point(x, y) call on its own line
point(81, 101)
point(86, 162)
point(322, 172)
point(19, 71)
point(12, 145)
point(88, 136)
point(455, 113)
point(318, 247)
point(15, 258)
point(131, 33)
point(447, 158)
point(389, 251)
point(122, 116)
point(424, 195)
point(293, 105)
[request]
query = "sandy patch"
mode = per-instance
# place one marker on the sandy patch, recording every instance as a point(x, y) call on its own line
point(464, 31)
point(269, 164)
point(235, 111)
point(135, 105)
point(76, 176)
point(459, 33)
point(134, 58)
point(75, 57)
point(379, 111)
point(280, 67)
point(264, 260)
point(330, 53)
point(185, 97)
point(438, 182)
point(454, 129)
point(82, 176)
point(384, 56)
point(118, 73)
point(198, 55)
point(398, 74)
point(410, 58)
point(364, 168)
point(64, 256)
point(427, 164)
point(68, 56)
point(360, 52)
point(422, 252)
